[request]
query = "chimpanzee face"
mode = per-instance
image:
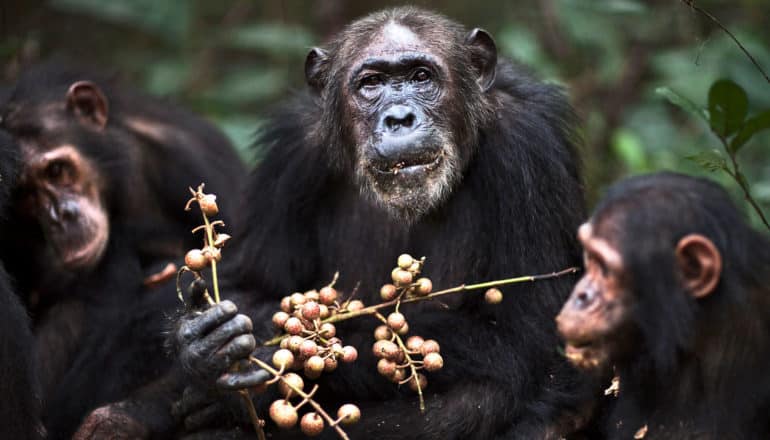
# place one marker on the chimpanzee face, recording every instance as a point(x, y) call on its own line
point(594, 315)
point(402, 98)
point(398, 96)
point(600, 320)
point(60, 189)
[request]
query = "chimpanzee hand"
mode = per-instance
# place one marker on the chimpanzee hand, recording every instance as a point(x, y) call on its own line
point(210, 343)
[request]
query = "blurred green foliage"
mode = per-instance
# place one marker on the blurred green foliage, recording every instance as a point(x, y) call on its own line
point(232, 60)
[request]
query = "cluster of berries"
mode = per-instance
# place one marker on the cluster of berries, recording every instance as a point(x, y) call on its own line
point(312, 346)
point(199, 259)
point(285, 414)
point(398, 360)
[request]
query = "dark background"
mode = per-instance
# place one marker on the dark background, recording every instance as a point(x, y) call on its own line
point(231, 60)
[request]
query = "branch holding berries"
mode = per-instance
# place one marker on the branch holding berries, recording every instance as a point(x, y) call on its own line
point(282, 411)
point(310, 344)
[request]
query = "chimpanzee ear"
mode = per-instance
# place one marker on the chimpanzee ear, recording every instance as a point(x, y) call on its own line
point(700, 264)
point(315, 65)
point(87, 102)
point(483, 56)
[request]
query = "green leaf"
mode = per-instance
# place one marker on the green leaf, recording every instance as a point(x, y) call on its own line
point(710, 160)
point(752, 126)
point(682, 102)
point(728, 106)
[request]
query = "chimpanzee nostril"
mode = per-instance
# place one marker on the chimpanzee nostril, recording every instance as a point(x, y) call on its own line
point(399, 116)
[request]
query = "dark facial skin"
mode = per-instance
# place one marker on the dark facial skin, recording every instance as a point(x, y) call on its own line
point(60, 189)
point(408, 141)
point(397, 93)
point(596, 311)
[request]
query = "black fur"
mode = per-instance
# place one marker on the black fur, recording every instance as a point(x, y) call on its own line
point(20, 404)
point(700, 365)
point(514, 212)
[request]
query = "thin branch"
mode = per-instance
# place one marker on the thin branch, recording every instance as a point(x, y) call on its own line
point(735, 174)
point(408, 360)
point(461, 288)
point(691, 3)
point(307, 397)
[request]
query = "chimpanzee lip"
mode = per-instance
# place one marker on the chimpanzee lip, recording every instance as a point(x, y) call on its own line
point(427, 162)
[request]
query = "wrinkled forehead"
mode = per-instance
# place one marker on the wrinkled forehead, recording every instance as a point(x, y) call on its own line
point(391, 41)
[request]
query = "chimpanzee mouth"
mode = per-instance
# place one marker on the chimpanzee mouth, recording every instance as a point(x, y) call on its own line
point(586, 355)
point(412, 165)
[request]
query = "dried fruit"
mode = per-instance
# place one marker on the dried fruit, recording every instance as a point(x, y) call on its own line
point(195, 260)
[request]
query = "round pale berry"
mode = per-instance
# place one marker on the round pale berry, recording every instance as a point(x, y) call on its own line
point(328, 330)
point(311, 310)
point(429, 346)
point(388, 292)
point(414, 343)
point(208, 204)
point(493, 296)
point(308, 348)
point(405, 261)
point(327, 295)
point(396, 321)
point(290, 380)
point(349, 354)
point(195, 260)
point(311, 424)
point(432, 362)
point(283, 358)
point(386, 367)
point(382, 332)
point(355, 305)
point(283, 414)
point(293, 326)
point(425, 286)
point(279, 319)
point(349, 414)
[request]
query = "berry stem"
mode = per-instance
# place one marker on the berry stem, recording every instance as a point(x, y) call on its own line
point(304, 395)
point(255, 421)
point(461, 288)
point(409, 361)
point(210, 242)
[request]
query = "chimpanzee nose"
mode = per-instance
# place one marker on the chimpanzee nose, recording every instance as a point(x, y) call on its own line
point(399, 118)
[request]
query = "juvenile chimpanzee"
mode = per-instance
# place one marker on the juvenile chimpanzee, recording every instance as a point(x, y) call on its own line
point(20, 402)
point(98, 212)
point(414, 137)
point(676, 296)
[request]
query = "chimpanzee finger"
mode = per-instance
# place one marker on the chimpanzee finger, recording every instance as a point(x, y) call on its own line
point(238, 348)
point(196, 328)
point(243, 379)
point(237, 326)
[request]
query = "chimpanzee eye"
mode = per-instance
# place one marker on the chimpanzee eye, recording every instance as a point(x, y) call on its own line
point(372, 80)
point(421, 75)
point(59, 171)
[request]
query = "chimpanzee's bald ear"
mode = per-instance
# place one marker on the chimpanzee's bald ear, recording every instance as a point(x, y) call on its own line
point(87, 102)
point(483, 56)
point(315, 68)
point(700, 264)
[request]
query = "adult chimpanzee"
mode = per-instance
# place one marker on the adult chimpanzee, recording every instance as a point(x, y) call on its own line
point(97, 213)
point(20, 405)
point(676, 297)
point(414, 137)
